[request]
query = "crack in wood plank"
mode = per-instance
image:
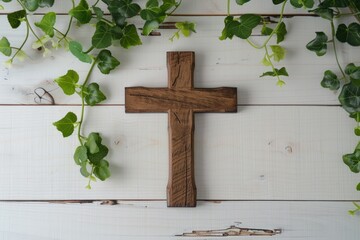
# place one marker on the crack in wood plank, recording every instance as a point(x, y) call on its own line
point(232, 231)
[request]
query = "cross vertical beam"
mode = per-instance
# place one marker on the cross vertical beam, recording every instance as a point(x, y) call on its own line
point(181, 100)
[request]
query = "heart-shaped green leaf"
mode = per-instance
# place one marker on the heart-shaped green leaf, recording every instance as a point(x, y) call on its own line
point(102, 171)
point(278, 72)
point(278, 52)
point(319, 44)
point(77, 50)
point(243, 28)
point(102, 37)
point(15, 18)
point(326, 13)
point(31, 5)
point(66, 124)
point(47, 23)
point(353, 161)
point(81, 12)
point(350, 98)
point(46, 3)
point(130, 37)
point(330, 80)
point(106, 62)
point(80, 155)
point(334, 3)
point(68, 82)
point(242, 2)
point(5, 46)
point(350, 34)
point(93, 95)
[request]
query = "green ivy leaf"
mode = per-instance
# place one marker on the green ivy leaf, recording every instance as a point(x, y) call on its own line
point(330, 80)
point(77, 50)
point(66, 124)
point(334, 3)
point(358, 187)
point(302, 3)
point(226, 32)
point(15, 18)
point(31, 5)
point(106, 62)
point(168, 4)
point(130, 37)
point(186, 28)
point(150, 26)
point(354, 73)
point(123, 8)
point(93, 95)
point(352, 160)
point(68, 82)
point(47, 23)
point(46, 3)
point(93, 140)
point(102, 37)
point(80, 155)
point(278, 52)
point(243, 28)
point(152, 3)
point(266, 30)
point(319, 44)
point(81, 12)
point(98, 12)
point(350, 34)
point(278, 72)
point(326, 13)
point(242, 2)
point(98, 151)
point(5, 47)
point(151, 13)
point(350, 98)
point(102, 171)
point(276, 2)
point(281, 32)
point(83, 169)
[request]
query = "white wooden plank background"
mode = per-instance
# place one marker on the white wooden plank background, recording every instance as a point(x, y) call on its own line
point(218, 63)
point(258, 153)
point(152, 220)
point(266, 151)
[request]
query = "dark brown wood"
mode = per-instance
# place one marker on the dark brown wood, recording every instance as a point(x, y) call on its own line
point(181, 100)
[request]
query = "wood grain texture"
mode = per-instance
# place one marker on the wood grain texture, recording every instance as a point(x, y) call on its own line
point(262, 152)
point(181, 101)
point(153, 221)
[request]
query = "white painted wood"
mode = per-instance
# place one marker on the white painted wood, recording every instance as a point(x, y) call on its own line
point(152, 220)
point(218, 63)
point(187, 7)
point(258, 153)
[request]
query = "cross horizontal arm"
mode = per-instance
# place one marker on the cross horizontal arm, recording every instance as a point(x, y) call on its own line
point(141, 99)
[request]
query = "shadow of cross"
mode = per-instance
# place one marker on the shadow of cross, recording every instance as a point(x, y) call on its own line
point(181, 100)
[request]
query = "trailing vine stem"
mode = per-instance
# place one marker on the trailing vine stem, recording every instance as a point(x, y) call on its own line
point(80, 123)
point(268, 57)
point(281, 16)
point(333, 40)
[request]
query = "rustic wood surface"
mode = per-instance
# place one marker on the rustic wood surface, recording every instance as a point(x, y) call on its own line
point(181, 101)
point(283, 148)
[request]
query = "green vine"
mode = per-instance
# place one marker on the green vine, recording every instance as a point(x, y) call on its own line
point(91, 153)
point(348, 84)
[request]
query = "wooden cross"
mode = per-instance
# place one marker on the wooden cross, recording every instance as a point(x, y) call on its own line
point(181, 100)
